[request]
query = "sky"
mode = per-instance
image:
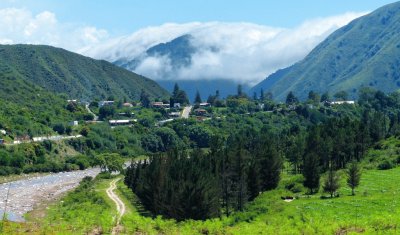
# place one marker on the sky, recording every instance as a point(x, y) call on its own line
point(254, 38)
point(125, 16)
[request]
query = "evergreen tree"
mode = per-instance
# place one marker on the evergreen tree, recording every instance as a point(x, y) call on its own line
point(197, 99)
point(291, 98)
point(353, 176)
point(325, 97)
point(240, 90)
point(311, 172)
point(262, 97)
point(331, 184)
point(144, 99)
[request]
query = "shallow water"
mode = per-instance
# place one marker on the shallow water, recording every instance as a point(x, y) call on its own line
point(27, 193)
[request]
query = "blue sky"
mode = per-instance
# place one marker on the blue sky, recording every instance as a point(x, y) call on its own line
point(125, 16)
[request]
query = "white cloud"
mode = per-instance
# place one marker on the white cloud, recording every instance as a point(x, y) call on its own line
point(21, 26)
point(246, 52)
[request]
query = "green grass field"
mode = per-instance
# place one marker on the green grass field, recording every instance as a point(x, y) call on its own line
point(374, 210)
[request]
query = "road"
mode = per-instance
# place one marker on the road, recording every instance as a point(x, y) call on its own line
point(95, 118)
point(25, 194)
point(120, 205)
point(186, 112)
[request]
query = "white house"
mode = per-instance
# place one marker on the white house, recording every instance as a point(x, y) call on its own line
point(106, 103)
point(74, 123)
point(4, 132)
point(342, 102)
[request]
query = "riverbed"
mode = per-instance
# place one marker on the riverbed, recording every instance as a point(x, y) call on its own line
point(24, 195)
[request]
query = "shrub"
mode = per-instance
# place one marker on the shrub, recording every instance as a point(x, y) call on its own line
point(385, 165)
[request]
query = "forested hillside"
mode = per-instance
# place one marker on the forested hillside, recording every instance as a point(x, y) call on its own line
point(79, 77)
point(365, 53)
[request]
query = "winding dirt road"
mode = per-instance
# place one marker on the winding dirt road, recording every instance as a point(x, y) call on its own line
point(120, 205)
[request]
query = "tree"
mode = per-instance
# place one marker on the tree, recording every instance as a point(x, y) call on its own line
point(341, 95)
point(240, 90)
point(197, 99)
point(311, 172)
point(144, 99)
point(291, 98)
point(110, 162)
point(262, 96)
point(325, 97)
point(313, 97)
point(353, 176)
point(331, 183)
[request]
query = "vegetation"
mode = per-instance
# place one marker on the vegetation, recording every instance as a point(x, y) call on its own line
point(50, 68)
point(349, 59)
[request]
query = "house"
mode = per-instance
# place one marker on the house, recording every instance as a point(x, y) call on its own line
point(106, 103)
point(200, 112)
point(72, 101)
point(3, 132)
point(128, 105)
point(159, 105)
point(119, 122)
point(342, 102)
point(160, 123)
point(177, 105)
point(74, 123)
point(174, 114)
point(205, 104)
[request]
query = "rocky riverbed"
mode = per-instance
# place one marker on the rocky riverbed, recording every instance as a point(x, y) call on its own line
point(25, 194)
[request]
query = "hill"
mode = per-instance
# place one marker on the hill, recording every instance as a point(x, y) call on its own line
point(365, 53)
point(61, 71)
point(179, 52)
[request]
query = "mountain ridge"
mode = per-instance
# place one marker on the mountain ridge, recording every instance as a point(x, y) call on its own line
point(60, 71)
point(364, 53)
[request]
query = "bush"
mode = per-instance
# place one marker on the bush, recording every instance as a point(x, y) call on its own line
point(386, 165)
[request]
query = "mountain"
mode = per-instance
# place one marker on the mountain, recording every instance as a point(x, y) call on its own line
point(179, 53)
point(77, 76)
point(365, 53)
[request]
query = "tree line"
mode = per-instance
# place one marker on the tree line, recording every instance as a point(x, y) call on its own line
point(195, 184)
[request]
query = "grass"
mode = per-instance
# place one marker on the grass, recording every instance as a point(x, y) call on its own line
point(374, 210)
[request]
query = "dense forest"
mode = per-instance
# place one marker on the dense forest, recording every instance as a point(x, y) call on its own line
point(244, 154)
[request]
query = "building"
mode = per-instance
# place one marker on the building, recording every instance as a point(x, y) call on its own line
point(1, 141)
point(159, 105)
point(3, 132)
point(106, 103)
point(128, 105)
point(205, 104)
point(342, 102)
point(74, 123)
point(174, 114)
point(200, 112)
point(177, 105)
point(119, 122)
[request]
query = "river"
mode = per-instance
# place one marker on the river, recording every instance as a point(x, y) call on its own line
point(25, 194)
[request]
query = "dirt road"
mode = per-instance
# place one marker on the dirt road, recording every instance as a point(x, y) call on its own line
point(120, 205)
point(186, 112)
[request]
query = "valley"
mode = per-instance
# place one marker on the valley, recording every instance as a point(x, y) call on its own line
point(163, 133)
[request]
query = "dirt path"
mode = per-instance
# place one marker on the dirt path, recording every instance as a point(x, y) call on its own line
point(186, 112)
point(120, 205)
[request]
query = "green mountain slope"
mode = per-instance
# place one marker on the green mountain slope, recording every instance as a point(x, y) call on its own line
point(61, 71)
point(365, 53)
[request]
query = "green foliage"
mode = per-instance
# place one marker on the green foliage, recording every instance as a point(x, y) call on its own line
point(361, 54)
point(50, 68)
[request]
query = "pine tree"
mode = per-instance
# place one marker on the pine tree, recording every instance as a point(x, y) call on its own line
point(353, 176)
point(311, 172)
point(197, 99)
point(262, 97)
point(291, 98)
point(331, 184)
point(144, 99)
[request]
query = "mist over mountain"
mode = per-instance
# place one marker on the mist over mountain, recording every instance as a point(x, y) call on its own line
point(239, 53)
point(365, 53)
